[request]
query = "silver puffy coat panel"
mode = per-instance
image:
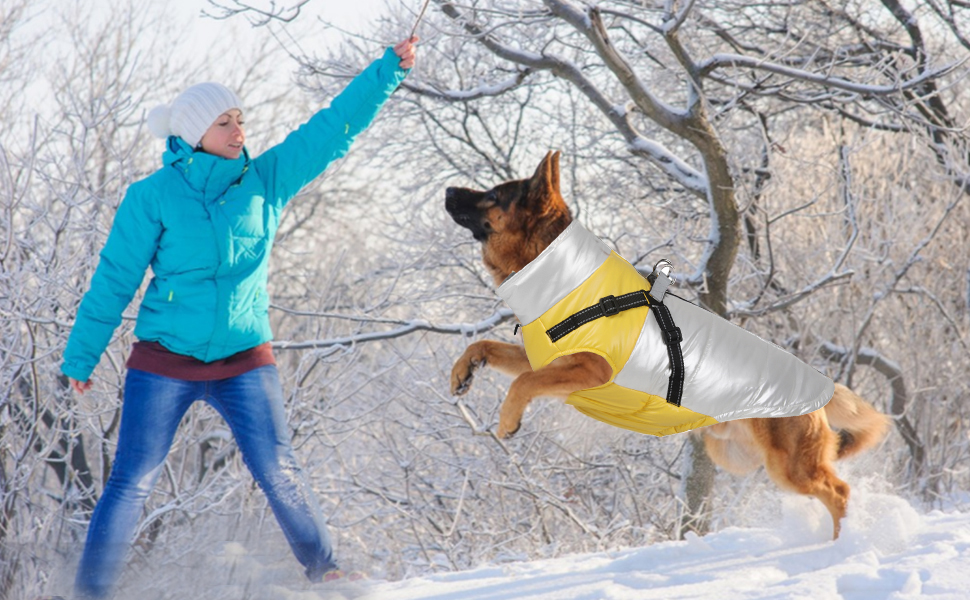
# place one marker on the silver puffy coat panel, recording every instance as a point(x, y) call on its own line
point(730, 373)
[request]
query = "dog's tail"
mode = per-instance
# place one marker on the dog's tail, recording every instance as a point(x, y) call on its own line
point(860, 425)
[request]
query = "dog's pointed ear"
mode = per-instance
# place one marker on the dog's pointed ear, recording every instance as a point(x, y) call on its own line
point(545, 181)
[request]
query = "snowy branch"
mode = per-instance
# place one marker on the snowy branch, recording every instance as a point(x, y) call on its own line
point(257, 16)
point(736, 60)
point(675, 167)
point(590, 24)
point(482, 91)
point(463, 329)
point(671, 164)
point(793, 298)
point(673, 22)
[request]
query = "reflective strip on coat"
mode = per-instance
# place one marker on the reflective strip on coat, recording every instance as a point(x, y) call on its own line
point(730, 373)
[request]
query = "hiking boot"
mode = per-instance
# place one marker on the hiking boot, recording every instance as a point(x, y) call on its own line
point(338, 575)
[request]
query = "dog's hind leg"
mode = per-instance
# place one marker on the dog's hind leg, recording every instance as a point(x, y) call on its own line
point(818, 480)
point(799, 452)
point(509, 359)
point(834, 494)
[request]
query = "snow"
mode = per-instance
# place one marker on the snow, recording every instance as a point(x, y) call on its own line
point(887, 551)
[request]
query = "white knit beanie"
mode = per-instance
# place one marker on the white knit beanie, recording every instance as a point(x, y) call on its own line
point(192, 112)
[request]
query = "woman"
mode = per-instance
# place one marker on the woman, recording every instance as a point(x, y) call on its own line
point(205, 223)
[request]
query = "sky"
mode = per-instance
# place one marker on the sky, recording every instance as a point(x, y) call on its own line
point(354, 15)
point(347, 13)
point(198, 30)
point(203, 41)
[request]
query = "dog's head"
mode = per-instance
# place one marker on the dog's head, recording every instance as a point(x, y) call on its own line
point(515, 220)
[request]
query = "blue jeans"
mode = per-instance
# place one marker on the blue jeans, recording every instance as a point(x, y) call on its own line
point(252, 405)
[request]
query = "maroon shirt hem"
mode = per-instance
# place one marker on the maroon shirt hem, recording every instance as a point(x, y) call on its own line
point(156, 358)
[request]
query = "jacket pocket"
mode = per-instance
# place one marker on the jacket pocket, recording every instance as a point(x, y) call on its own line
point(170, 317)
point(173, 308)
point(158, 313)
point(260, 303)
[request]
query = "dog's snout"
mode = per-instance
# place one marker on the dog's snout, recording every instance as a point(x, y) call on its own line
point(451, 202)
point(461, 205)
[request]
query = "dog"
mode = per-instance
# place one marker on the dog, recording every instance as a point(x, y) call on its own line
point(515, 221)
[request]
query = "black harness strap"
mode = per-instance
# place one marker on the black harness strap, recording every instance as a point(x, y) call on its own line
point(672, 338)
point(612, 305)
point(607, 307)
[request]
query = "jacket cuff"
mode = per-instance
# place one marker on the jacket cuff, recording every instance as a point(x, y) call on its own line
point(391, 70)
point(76, 371)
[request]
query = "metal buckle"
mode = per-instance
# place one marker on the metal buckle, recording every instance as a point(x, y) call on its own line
point(608, 304)
point(660, 279)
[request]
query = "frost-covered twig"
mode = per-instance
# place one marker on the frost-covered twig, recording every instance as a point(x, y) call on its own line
point(476, 93)
point(828, 279)
point(675, 167)
point(737, 60)
point(464, 329)
point(262, 16)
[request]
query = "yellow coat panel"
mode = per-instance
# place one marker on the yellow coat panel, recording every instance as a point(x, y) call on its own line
point(612, 338)
point(730, 373)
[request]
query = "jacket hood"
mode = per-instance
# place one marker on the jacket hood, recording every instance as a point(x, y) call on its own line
point(204, 172)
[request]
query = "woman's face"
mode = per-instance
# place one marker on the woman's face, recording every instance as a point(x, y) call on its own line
point(226, 136)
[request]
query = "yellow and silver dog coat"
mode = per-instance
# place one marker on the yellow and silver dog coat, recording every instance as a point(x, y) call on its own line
point(730, 373)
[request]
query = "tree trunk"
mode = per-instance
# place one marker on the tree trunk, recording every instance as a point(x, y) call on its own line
point(696, 487)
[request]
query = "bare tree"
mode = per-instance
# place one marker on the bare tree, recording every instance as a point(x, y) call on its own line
point(803, 164)
point(691, 88)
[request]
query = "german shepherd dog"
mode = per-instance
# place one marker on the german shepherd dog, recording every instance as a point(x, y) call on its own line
point(515, 221)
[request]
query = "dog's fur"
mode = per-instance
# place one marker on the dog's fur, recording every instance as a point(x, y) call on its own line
point(515, 221)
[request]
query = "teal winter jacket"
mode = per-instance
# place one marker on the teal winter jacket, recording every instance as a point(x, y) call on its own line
point(205, 225)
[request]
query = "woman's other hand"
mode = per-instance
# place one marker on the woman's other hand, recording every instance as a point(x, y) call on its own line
point(406, 52)
point(80, 386)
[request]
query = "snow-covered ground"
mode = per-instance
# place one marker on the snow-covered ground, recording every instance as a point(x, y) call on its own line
point(887, 551)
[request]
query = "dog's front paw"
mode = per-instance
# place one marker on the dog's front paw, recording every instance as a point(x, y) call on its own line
point(509, 420)
point(504, 433)
point(463, 372)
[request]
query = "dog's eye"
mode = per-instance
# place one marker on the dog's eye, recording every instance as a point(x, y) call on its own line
point(491, 199)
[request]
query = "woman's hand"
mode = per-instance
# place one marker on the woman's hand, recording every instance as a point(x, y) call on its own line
point(80, 386)
point(406, 52)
